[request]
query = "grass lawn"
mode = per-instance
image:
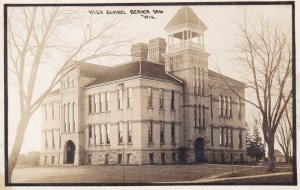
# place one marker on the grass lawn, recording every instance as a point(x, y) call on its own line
point(128, 174)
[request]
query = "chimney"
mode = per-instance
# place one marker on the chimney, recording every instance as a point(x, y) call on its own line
point(139, 52)
point(156, 48)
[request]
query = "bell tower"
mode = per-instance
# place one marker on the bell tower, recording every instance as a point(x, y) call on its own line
point(187, 59)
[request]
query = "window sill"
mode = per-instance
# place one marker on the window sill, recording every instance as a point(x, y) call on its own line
point(129, 143)
point(150, 108)
point(161, 109)
point(172, 110)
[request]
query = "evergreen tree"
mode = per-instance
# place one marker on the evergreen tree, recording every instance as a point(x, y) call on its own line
point(255, 146)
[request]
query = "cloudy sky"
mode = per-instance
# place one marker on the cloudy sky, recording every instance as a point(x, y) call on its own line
point(219, 37)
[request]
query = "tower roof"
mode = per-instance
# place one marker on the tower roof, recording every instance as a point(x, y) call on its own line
point(185, 16)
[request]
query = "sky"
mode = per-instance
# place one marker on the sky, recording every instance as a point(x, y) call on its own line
point(218, 43)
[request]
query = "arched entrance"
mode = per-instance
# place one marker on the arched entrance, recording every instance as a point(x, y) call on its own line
point(70, 152)
point(199, 150)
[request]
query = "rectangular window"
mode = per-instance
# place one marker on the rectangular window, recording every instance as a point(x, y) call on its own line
point(220, 106)
point(226, 136)
point(94, 103)
point(128, 158)
point(106, 158)
point(52, 159)
point(221, 136)
point(162, 133)
point(90, 104)
point(73, 116)
point(102, 100)
point(211, 105)
point(52, 106)
point(199, 81)
point(212, 136)
point(195, 115)
point(203, 116)
point(108, 133)
point(239, 108)
point(172, 100)
point(195, 81)
point(174, 157)
point(161, 98)
point(120, 99)
point(173, 133)
point(120, 132)
point(129, 132)
point(130, 97)
point(224, 107)
point(163, 158)
point(230, 107)
point(97, 103)
point(107, 101)
point(46, 139)
point(98, 134)
point(200, 116)
point(90, 127)
point(120, 159)
point(231, 138)
point(45, 161)
point(69, 116)
point(151, 158)
point(150, 97)
point(103, 133)
point(150, 131)
point(227, 106)
point(241, 138)
point(202, 81)
point(53, 143)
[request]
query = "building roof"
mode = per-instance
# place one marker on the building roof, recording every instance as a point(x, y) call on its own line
point(186, 15)
point(138, 68)
point(218, 76)
point(92, 69)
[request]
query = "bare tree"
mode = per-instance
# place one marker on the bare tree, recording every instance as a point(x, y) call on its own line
point(33, 38)
point(284, 135)
point(264, 50)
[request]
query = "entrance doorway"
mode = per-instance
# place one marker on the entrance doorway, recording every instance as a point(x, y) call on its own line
point(199, 150)
point(70, 152)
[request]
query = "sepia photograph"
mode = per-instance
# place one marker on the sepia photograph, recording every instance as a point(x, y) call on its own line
point(150, 94)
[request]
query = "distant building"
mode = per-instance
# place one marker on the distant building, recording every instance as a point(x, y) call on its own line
point(165, 106)
point(279, 156)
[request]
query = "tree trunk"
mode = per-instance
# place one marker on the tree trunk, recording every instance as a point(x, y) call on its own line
point(271, 156)
point(287, 157)
point(14, 154)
